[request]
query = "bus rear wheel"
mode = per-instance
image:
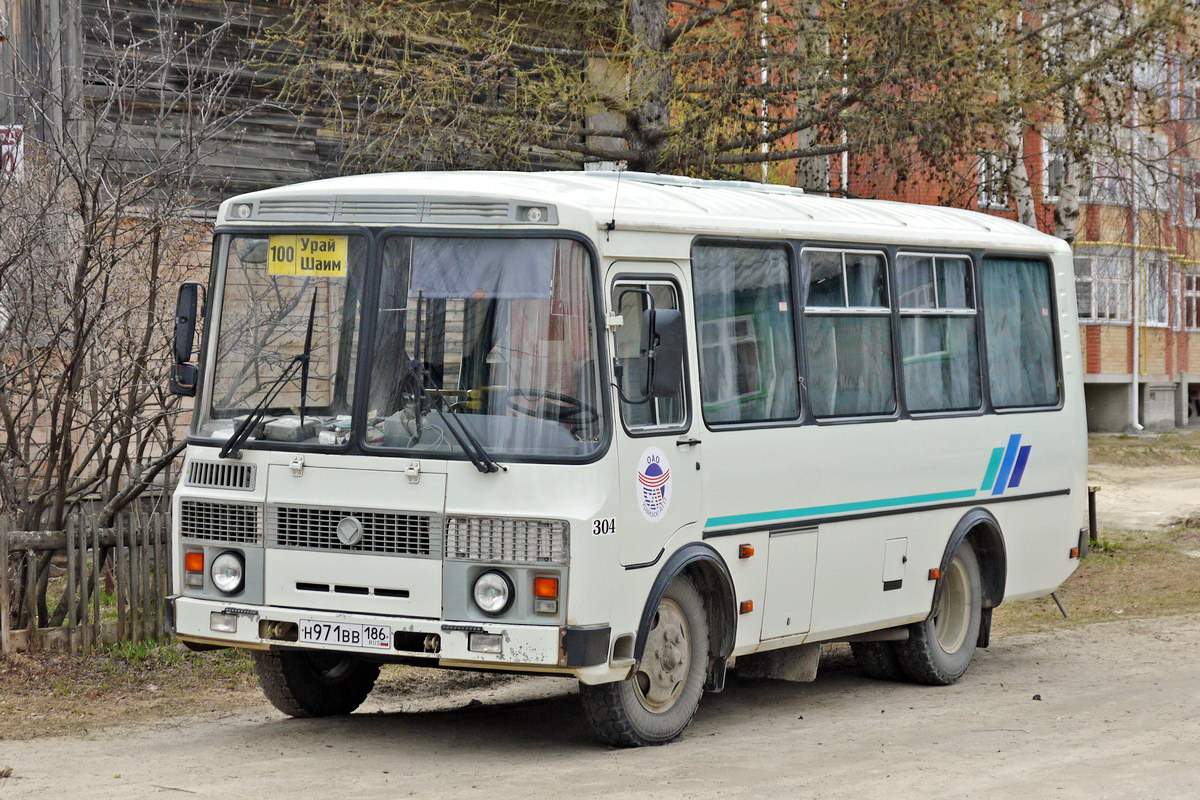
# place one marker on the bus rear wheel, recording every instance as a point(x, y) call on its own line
point(939, 650)
point(314, 684)
point(655, 703)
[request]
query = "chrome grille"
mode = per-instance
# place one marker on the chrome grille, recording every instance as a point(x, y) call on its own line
point(383, 532)
point(220, 475)
point(222, 522)
point(517, 541)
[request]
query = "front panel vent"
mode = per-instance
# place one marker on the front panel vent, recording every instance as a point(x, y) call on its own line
point(379, 209)
point(507, 540)
point(298, 209)
point(219, 522)
point(220, 475)
point(354, 530)
point(458, 210)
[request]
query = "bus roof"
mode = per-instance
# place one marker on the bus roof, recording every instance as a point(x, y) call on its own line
point(635, 201)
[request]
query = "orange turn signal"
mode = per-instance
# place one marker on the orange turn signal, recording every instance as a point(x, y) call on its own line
point(545, 587)
point(193, 562)
point(745, 551)
point(747, 606)
point(1074, 552)
point(934, 574)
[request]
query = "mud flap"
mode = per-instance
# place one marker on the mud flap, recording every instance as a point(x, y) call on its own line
point(798, 664)
point(715, 682)
point(985, 628)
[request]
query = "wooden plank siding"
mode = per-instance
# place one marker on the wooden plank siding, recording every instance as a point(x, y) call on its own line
point(273, 145)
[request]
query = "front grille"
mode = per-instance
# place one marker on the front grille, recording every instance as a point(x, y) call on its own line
point(220, 475)
point(516, 541)
point(221, 522)
point(383, 532)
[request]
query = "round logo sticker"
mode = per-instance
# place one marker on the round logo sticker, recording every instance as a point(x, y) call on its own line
point(654, 480)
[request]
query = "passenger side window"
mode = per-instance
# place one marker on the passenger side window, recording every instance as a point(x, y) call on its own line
point(848, 333)
point(746, 336)
point(938, 349)
point(1019, 327)
point(657, 412)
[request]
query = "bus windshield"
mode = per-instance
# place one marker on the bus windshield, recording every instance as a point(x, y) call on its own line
point(502, 332)
point(493, 335)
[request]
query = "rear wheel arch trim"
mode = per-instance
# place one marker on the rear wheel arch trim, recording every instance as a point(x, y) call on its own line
point(988, 542)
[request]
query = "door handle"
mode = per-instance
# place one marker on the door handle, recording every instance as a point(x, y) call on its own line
point(686, 442)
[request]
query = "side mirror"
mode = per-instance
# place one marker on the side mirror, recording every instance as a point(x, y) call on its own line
point(662, 342)
point(187, 312)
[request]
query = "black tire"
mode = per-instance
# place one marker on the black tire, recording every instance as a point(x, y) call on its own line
point(878, 660)
point(635, 712)
point(927, 656)
point(314, 684)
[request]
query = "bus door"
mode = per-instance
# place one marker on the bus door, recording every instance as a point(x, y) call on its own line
point(657, 455)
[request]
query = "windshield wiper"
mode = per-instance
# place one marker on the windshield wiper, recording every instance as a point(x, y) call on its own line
point(242, 432)
point(462, 434)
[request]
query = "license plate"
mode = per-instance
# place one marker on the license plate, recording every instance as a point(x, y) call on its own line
point(345, 634)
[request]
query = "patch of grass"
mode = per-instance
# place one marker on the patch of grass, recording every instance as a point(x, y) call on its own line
point(1146, 450)
point(55, 694)
point(1134, 575)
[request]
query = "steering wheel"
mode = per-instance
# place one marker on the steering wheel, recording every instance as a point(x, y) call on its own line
point(554, 406)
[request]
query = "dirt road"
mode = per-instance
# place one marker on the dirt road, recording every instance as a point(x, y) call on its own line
point(1119, 717)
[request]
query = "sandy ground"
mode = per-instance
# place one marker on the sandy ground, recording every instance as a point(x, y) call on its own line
point(1145, 498)
point(1106, 711)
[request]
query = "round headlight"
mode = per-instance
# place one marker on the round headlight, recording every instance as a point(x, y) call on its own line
point(228, 572)
point(493, 592)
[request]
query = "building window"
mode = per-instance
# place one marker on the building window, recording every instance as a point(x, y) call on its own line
point(1156, 290)
point(1189, 181)
point(1191, 299)
point(1102, 285)
point(1106, 183)
point(993, 180)
point(848, 334)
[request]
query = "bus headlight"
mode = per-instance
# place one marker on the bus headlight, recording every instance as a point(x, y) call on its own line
point(228, 572)
point(493, 592)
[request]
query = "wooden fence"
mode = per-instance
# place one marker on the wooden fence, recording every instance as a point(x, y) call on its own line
point(76, 588)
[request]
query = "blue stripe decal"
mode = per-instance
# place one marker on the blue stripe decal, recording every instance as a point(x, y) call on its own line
point(1010, 456)
point(989, 477)
point(1019, 469)
point(835, 508)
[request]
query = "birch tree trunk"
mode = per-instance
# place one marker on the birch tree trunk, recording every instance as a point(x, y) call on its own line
point(1019, 185)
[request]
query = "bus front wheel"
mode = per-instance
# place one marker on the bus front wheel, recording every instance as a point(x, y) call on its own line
point(655, 703)
point(314, 684)
point(939, 650)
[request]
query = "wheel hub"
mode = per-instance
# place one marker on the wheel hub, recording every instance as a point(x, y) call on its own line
point(660, 678)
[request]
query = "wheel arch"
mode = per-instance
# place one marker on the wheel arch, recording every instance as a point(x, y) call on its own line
point(980, 528)
point(708, 571)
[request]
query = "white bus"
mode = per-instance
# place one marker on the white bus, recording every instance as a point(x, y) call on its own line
point(630, 429)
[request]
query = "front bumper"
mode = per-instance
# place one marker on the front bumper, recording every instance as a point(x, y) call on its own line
point(534, 648)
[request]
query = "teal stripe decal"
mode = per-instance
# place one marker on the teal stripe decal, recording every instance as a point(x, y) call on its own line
point(989, 477)
point(837, 508)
